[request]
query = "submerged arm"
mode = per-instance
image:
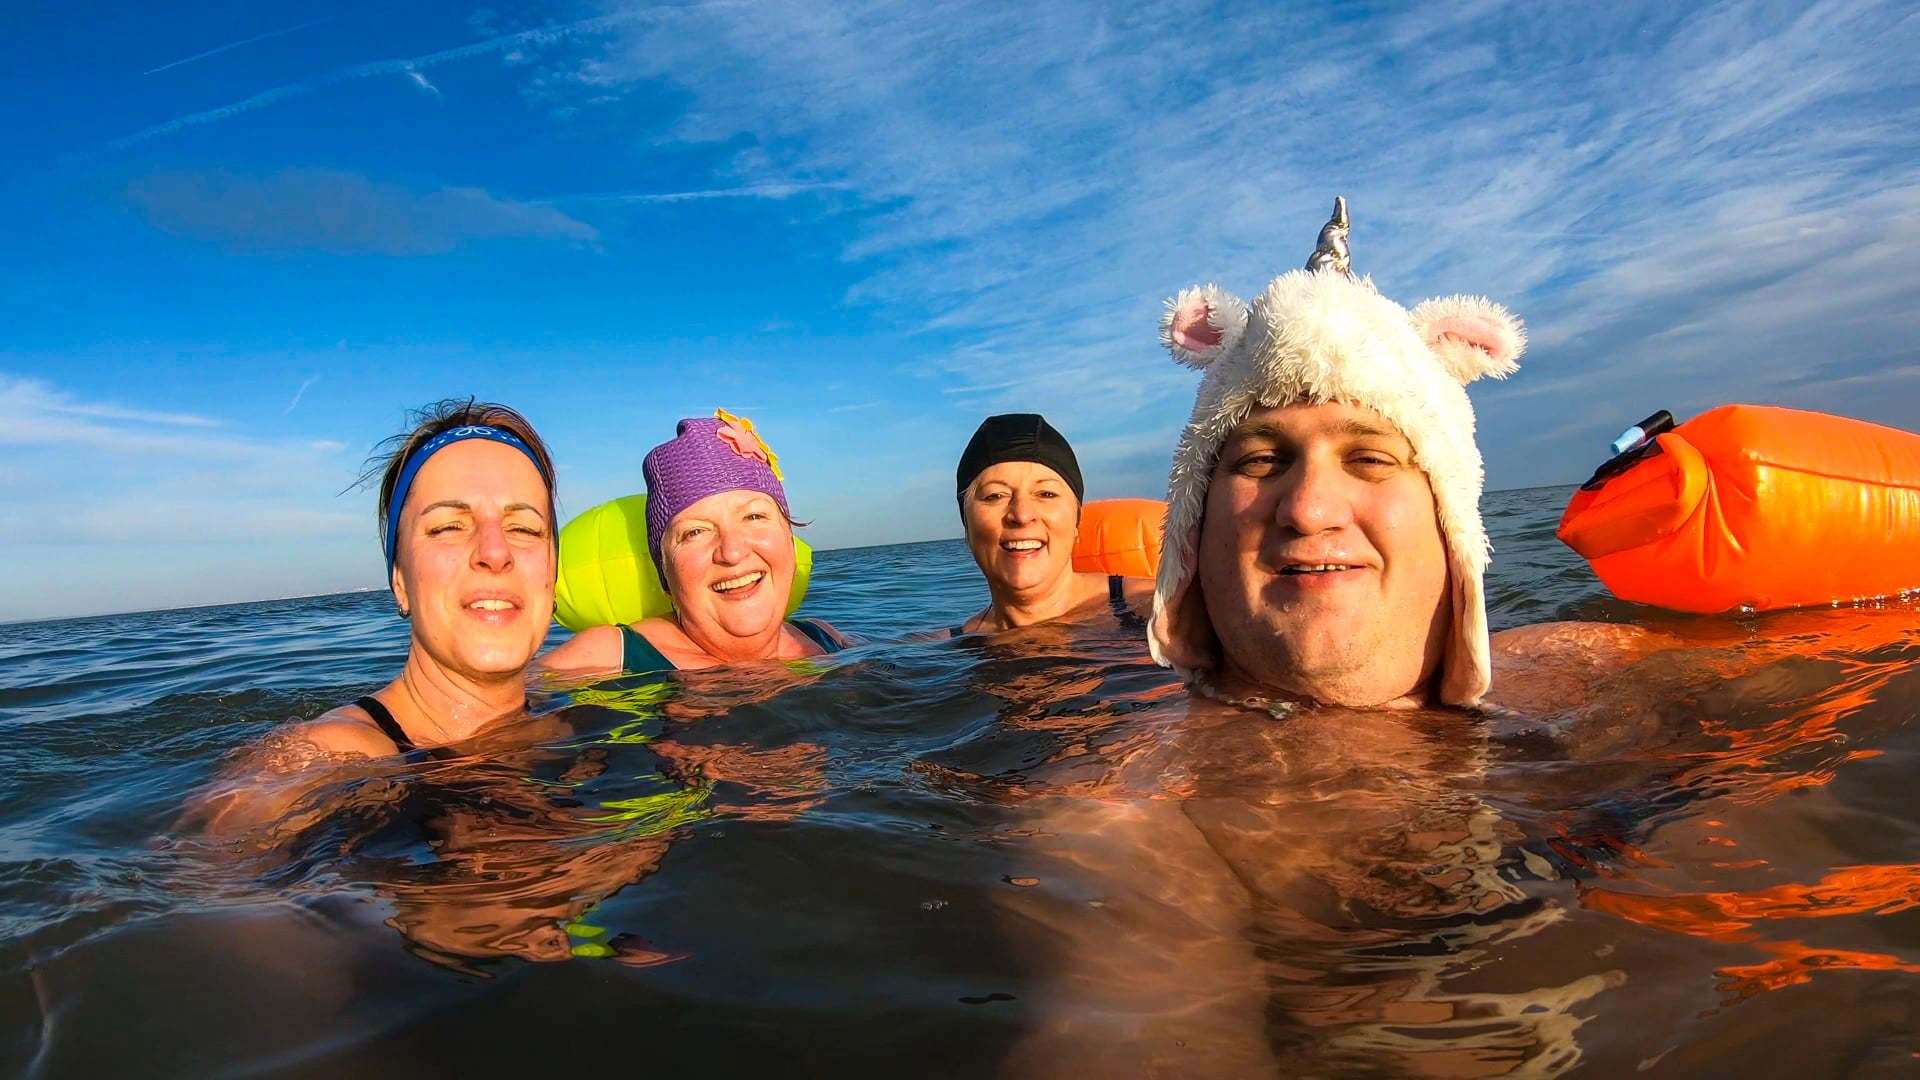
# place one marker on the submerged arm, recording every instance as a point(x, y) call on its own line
point(1143, 927)
point(267, 780)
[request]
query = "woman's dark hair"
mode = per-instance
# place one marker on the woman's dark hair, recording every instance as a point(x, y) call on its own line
point(390, 456)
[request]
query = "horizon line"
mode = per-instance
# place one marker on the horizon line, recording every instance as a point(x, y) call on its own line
point(376, 588)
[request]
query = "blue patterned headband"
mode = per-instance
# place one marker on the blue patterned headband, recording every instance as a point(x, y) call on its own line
point(433, 446)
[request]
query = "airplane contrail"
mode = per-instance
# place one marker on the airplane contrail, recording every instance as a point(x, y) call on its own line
point(300, 393)
point(772, 190)
point(237, 44)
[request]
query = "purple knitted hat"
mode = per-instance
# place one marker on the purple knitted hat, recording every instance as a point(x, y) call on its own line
point(706, 456)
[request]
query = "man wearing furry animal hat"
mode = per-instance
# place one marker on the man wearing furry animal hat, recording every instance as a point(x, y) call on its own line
point(1266, 888)
point(1323, 537)
point(1323, 545)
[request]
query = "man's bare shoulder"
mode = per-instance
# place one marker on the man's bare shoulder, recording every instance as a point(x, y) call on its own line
point(1550, 666)
point(1596, 642)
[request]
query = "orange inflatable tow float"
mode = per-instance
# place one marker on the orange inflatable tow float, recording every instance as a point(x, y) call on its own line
point(1120, 536)
point(1752, 507)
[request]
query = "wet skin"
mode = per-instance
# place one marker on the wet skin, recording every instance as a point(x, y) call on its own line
point(512, 861)
point(1241, 860)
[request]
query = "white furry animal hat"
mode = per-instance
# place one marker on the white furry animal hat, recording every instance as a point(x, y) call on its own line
point(1321, 335)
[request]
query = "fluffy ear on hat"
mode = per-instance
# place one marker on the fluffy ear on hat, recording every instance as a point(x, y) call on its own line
point(1202, 324)
point(1471, 335)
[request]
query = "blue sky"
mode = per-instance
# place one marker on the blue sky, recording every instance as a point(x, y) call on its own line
point(242, 239)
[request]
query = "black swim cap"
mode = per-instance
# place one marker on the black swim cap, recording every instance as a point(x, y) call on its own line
point(1018, 437)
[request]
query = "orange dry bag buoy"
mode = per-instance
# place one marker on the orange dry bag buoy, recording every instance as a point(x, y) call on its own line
point(1120, 536)
point(1753, 506)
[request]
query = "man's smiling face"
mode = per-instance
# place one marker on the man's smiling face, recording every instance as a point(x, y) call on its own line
point(1321, 559)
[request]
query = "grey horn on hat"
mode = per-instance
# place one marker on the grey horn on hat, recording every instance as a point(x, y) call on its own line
point(1331, 252)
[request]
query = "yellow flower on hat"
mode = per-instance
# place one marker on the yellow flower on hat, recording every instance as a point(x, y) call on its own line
point(739, 429)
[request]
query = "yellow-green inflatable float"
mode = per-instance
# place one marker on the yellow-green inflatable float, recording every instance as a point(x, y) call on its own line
point(607, 577)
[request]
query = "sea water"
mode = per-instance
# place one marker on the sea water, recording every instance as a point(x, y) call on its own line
point(1026, 854)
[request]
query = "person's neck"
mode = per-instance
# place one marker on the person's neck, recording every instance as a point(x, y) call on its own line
point(727, 649)
point(1229, 683)
point(1025, 607)
point(446, 706)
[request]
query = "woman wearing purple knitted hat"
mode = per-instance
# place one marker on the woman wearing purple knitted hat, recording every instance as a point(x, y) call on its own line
point(721, 537)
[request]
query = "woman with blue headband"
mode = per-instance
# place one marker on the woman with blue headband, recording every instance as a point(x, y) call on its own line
point(467, 526)
point(467, 523)
point(467, 517)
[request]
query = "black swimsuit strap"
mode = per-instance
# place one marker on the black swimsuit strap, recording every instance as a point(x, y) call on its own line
point(1117, 596)
point(818, 634)
point(387, 723)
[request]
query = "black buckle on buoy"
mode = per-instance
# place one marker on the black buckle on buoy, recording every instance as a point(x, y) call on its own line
point(1635, 443)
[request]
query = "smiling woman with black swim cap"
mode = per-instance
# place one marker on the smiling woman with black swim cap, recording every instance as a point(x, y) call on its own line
point(1020, 493)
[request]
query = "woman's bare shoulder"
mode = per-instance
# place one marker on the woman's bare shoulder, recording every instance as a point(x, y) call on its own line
point(261, 782)
point(659, 629)
point(597, 648)
point(344, 730)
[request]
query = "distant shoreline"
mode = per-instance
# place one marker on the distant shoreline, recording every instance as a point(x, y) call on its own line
point(193, 607)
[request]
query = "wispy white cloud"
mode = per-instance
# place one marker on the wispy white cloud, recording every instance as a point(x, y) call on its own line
point(217, 50)
point(420, 80)
point(42, 415)
point(340, 212)
point(505, 43)
point(1040, 178)
point(39, 413)
point(127, 481)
